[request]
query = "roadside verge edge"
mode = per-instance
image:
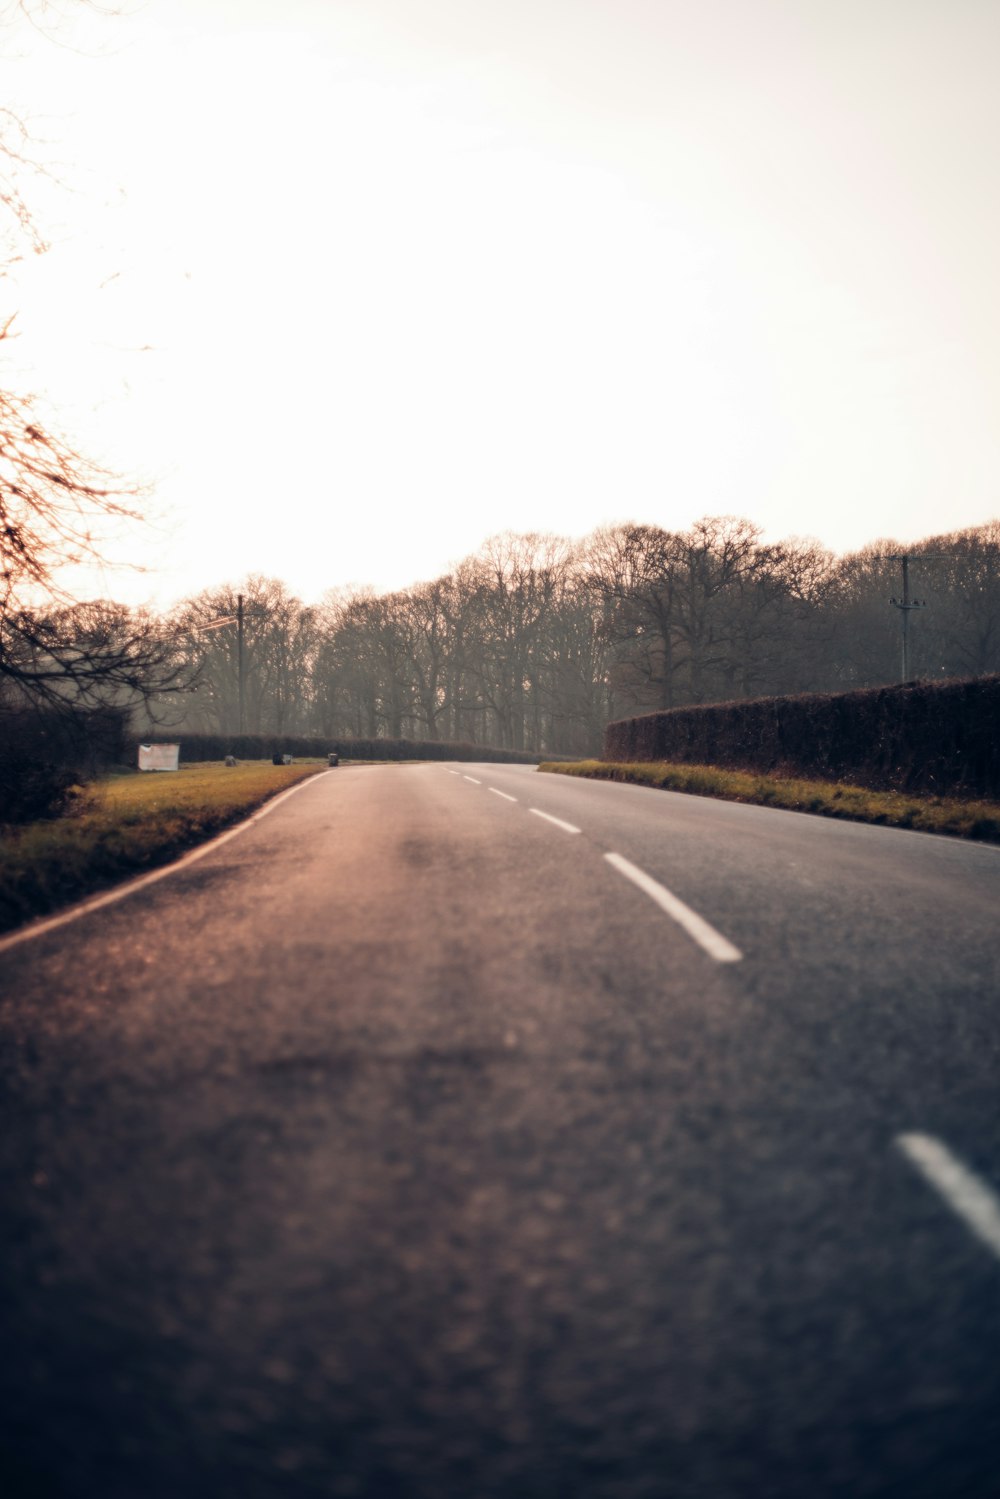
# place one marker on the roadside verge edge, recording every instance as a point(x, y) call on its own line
point(40, 926)
point(976, 820)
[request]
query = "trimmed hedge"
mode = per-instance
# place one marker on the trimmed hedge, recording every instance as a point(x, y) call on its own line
point(45, 752)
point(930, 737)
point(264, 746)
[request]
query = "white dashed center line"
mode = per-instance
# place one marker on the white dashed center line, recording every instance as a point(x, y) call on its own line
point(567, 827)
point(707, 938)
point(971, 1199)
point(696, 926)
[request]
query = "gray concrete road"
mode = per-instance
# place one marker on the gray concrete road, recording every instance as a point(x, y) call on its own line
point(406, 1144)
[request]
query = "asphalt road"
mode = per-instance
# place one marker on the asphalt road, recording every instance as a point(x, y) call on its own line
point(407, 1145)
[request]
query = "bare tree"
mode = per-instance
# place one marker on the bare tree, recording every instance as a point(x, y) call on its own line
point(959, 576)
point(55, 507)
point(632, 571)
point(54, 504)
point(510, 587)
point(268, 663)
point(429, 624)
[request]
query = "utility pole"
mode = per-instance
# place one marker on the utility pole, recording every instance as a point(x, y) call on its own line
point(239, 647)
point(217, 624)
point(905, 605)
point(237, 619)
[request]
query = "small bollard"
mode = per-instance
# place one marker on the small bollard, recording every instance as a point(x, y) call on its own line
point(333, 759)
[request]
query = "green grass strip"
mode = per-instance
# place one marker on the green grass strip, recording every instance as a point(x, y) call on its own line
point(126, 825)
point(924, 814)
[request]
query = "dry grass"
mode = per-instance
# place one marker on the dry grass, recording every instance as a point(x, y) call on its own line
point(925, 814)
point(125, 825)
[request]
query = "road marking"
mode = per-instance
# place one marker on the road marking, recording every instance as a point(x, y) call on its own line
point(567, 827)
point(131, 886)
point(453, 772)
point(717, 946)
point(973, 1201)
point(473, 780)
point(501, 793)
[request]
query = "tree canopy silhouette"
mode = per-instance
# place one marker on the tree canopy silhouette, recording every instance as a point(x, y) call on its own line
point(55, 507)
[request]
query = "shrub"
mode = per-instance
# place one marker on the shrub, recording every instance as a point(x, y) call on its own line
point(931, 737)
point(45, 752)
point(32, 789)
point(266, 746)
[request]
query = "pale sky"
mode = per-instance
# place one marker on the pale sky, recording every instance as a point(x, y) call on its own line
point(359, 283)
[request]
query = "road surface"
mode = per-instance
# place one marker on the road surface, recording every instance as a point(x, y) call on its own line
point(460, 1132)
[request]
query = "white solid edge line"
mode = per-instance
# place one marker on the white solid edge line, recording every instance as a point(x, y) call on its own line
point(969, 1197)
point(567, 827)
point(707, 938)
point(473, 780)
point(501, 793)
point(109, 897)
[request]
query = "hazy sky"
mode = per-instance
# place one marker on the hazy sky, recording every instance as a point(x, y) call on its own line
point(360, 282)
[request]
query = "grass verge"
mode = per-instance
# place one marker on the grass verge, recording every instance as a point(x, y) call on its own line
point(124, 826)
point(925, 814)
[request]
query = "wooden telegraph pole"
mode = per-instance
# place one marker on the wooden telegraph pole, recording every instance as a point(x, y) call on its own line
point(239, 648)
point(905, 605)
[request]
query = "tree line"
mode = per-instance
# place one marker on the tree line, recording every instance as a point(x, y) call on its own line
point(533, 643)
point(536, 642)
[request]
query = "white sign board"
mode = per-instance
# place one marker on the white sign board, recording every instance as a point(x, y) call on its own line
point(159, 756)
